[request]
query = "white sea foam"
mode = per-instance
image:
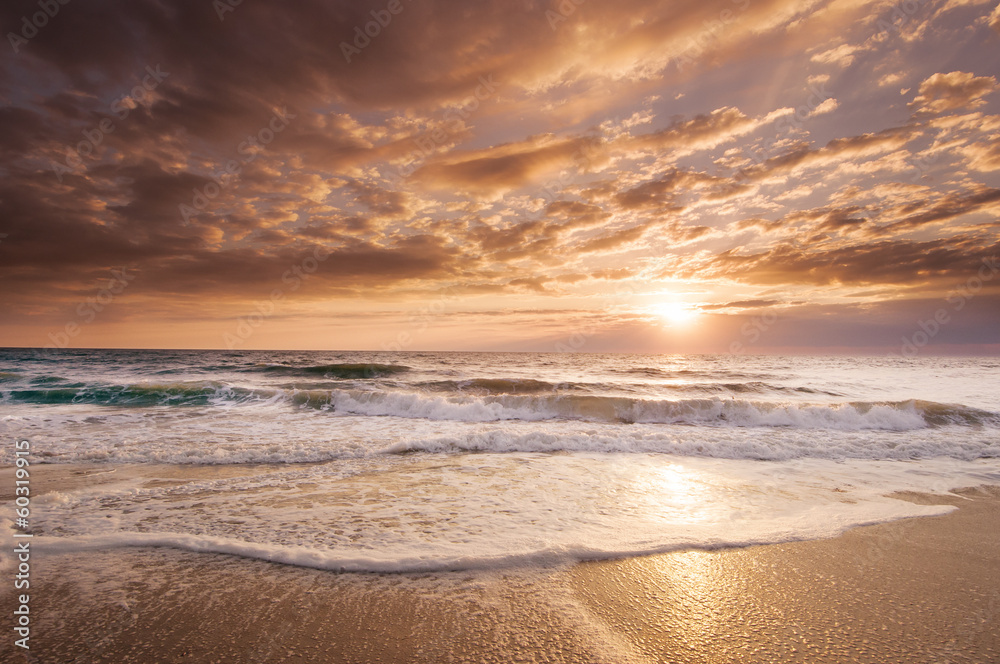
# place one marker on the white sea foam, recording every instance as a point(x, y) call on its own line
point(276, 435)
point(501, 510)
point(724, 444)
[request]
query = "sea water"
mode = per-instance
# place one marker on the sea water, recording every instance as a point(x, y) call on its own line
point(435, 461)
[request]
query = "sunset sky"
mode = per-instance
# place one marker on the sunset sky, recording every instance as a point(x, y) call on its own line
point(687, 176)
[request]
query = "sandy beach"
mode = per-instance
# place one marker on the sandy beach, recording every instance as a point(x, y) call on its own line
point(915, 590)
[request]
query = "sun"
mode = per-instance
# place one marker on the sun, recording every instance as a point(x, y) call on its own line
point(676, 313)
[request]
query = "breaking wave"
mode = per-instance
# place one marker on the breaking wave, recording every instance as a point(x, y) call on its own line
point(489, 400)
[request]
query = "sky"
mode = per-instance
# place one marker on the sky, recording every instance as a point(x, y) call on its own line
point(737, 176)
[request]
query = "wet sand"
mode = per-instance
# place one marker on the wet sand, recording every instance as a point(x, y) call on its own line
point(916, 590)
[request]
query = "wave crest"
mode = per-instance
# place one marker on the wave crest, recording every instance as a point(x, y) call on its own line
point(891, 416)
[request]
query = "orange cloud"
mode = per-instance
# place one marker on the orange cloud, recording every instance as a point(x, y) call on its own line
point(948, 92)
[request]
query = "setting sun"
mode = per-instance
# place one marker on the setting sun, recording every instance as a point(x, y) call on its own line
point(676, 313)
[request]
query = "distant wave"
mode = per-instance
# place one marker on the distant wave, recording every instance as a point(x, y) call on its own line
point(143, 395)
point(531, 386)
point(53, 380)
point(183, 392)
point(345, 371)
point(750, 387)
point(653, 372)
point(497, 385)
point(201, 368)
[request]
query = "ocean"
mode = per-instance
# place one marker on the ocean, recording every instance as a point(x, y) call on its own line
point(423, 461)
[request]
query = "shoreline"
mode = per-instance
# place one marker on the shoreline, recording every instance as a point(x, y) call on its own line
point(923, 589)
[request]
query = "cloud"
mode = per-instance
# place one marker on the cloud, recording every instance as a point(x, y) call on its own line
point(509, 166)
point(503, 167)
point(890, 79)
point(842, 56)
point(383, 202)
point(826, 106)
point(838, 149)
point(612, 240)
point(948, 92)
point(703, 131)
point(662, 192)
point(947, 208)
point(897, 262)
point(984, 156)
point(740, 305)
point(536, 284)
point(993, 20)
